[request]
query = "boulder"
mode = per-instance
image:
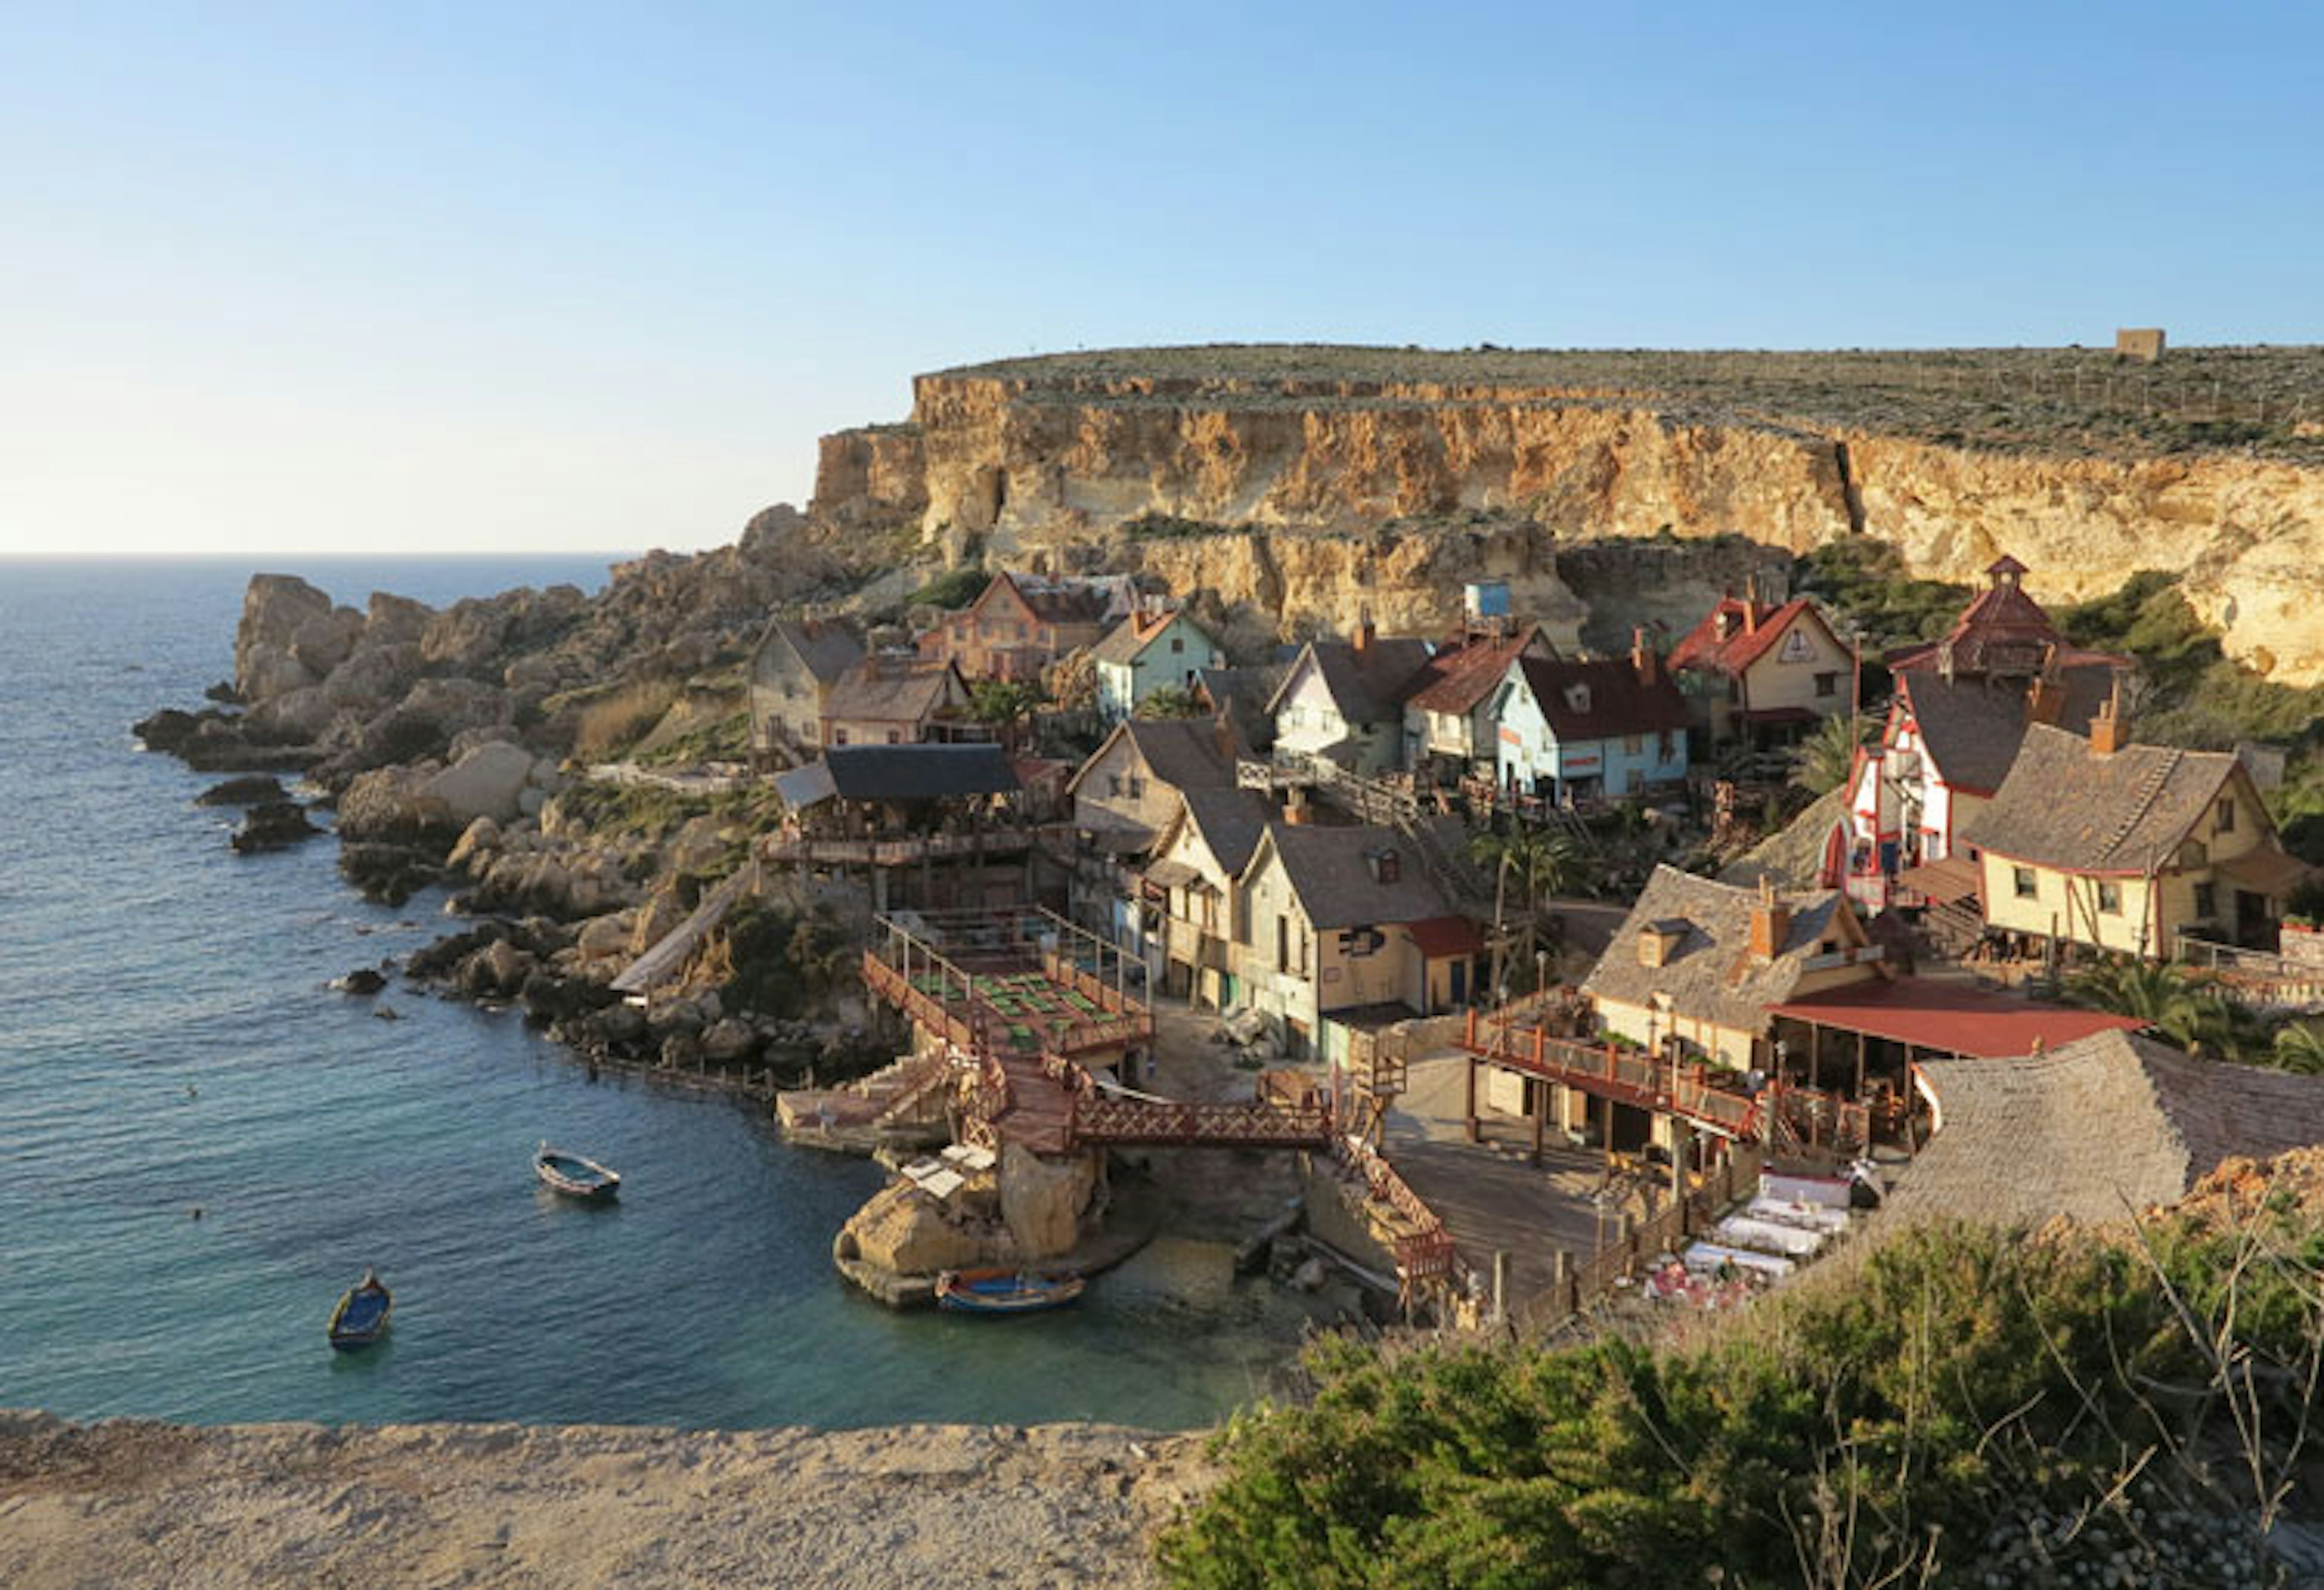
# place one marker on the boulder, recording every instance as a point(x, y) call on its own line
point(273, 825)
point(273, 608)
point(299, 714)
point(361, 981)
point(389, 873)
point(901, 1232)
point(324, 642)
point(485, 782)
point(477, 843)
point(374, 678)
point(1043, 1199)
point(605, 938)
point(498, 969)
point(727, 1041)
point(393, 803)
point(246, 791)
point(396, 621)
point(457, 704)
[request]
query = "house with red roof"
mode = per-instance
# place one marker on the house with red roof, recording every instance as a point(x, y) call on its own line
point(1764, 674)
point(1449, 727)
point(1580, 730)
point(2003, 634)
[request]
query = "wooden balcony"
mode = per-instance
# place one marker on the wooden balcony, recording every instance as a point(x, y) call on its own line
point(1628, 1076)
point(905, 850)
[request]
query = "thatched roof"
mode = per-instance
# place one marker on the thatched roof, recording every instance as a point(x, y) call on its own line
point(1710, 974)
point(2096, 1129)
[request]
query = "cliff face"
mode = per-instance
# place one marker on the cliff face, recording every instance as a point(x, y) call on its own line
point(1029, 462)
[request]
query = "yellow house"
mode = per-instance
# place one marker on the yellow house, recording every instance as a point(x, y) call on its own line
point(1335, 925)
point(1203, 850)
point(2128, 847)
point(1763, 673)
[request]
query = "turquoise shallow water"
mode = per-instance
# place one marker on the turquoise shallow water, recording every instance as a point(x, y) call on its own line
point(167, 1043)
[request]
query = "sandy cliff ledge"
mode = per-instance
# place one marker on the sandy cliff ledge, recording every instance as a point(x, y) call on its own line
point(274, 1507)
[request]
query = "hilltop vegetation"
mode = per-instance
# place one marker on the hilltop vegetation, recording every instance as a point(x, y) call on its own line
point(1962, 1406)
point(2266, 401)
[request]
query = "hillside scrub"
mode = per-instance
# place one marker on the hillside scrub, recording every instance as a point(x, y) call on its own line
point(1962, 1405)
point(1862, 583)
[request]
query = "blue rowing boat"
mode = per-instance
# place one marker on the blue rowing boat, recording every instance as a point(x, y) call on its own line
point(1004, 1292)
point(361, 1317)
point(574, 1176)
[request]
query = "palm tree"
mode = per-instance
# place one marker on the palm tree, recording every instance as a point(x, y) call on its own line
point(2185, 1011)
point(1546, 863)
point(1826, 757)
point(2299, 1047)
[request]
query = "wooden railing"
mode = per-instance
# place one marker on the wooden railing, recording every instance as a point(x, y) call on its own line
point(1631, 1077)
point(815, 850)
point(1425, 1253)
point(1101, 1118)
point(1579, 1284)
point(2255, 976)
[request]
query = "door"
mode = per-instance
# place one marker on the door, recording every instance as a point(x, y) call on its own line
point(2252, 923)
point(1460, 986)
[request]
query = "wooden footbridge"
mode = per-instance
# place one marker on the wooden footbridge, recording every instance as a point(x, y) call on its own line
point(1024, 1003)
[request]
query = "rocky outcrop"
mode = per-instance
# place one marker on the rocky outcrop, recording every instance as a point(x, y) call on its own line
point(1037, 458)
point(273, 825)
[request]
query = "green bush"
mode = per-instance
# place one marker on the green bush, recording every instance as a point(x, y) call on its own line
point(1954, 1393)
point(956, 587)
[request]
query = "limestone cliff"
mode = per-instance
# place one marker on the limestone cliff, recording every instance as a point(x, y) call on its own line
point(1383, 491)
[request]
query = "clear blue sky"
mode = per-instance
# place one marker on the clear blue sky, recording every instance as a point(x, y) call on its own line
point(338, 277)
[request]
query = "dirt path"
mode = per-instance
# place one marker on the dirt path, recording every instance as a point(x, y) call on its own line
point(270, 1507)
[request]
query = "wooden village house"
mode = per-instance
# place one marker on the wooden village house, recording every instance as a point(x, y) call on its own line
point(2117, 846)
point(793, 669)
point(1020, 624)
point(1764, 674)
point(1194, 878)
point(1124, 797)
point(1148, 652)
point(1343, 700)
point(1449, 727)
point(1570, 732)
point(1342, 930)
point(930, 826)
point(891, 700)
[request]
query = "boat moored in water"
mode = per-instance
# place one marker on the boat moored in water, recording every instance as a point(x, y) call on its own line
point(574, 1176)
point(1004, 1292)
point(361, 1317)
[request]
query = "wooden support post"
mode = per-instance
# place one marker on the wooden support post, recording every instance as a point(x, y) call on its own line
point(1561, 1279)
point(1682, 1142)
point(1606, 1127)
point(1470, 1066)
point(1859, 1066)
point(1500, 1286)
point(1539, 1093)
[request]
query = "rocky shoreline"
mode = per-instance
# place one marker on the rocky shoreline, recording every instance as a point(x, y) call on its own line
point(131, 1503)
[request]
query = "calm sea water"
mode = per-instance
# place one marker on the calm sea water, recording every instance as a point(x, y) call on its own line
point(167, 1044)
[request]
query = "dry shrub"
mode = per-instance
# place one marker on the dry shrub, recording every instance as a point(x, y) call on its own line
point(614, 722)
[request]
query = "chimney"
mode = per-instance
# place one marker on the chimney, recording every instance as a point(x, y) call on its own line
point(1295, 805)
point(1363, 628)
point(1642, 659)
point(1751, 605)
point(2045, 699)
point(2109, 733)
point(1771, 923)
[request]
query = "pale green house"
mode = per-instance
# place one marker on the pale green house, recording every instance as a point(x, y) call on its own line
point(1145, 652)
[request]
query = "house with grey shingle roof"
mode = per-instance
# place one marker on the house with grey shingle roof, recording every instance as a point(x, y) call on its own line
point(1698, 966)
point(1341, 929)
point(1945, 748)
point(1124, 796)
point(2126, 847)
point(1202, 852)
point(898, 700)
point(792, 669)
point(1343, 700)
point(2099, 1129)
point(1147, 651)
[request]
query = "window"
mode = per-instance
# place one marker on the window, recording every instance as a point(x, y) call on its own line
point(1282, 944)
point(1177, 642)
point(1663, 745)
point(2207, 901)
point(2022, 879)
point(1633, 744)
point(2226, 823)
point(1113, 784)
point(1827, 684)
point(840, 738)
point(2109, 898)
point(895, 736)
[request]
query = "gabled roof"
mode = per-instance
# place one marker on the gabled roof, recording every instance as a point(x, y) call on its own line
point(1757, 627)
point(1710, 973)
point(1184, 753)
point(2002, 631)
point(1461, 675)
point(1618, 701)
point(1229, 822)
point(1331, 872)
point(1243, 694)
point(1971, 727)
point(2065, 806)
point(1052, 600)
point(2098, 1130)
point(1133, 635)
point(899, 772)
point(825, 647)
point(891, 689)
point(1366, 682)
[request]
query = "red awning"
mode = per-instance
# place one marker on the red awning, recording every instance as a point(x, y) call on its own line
point(1438, 937)
point(1950, 1018)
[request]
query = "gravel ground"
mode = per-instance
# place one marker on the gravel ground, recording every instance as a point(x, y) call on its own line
point(126, 1505)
